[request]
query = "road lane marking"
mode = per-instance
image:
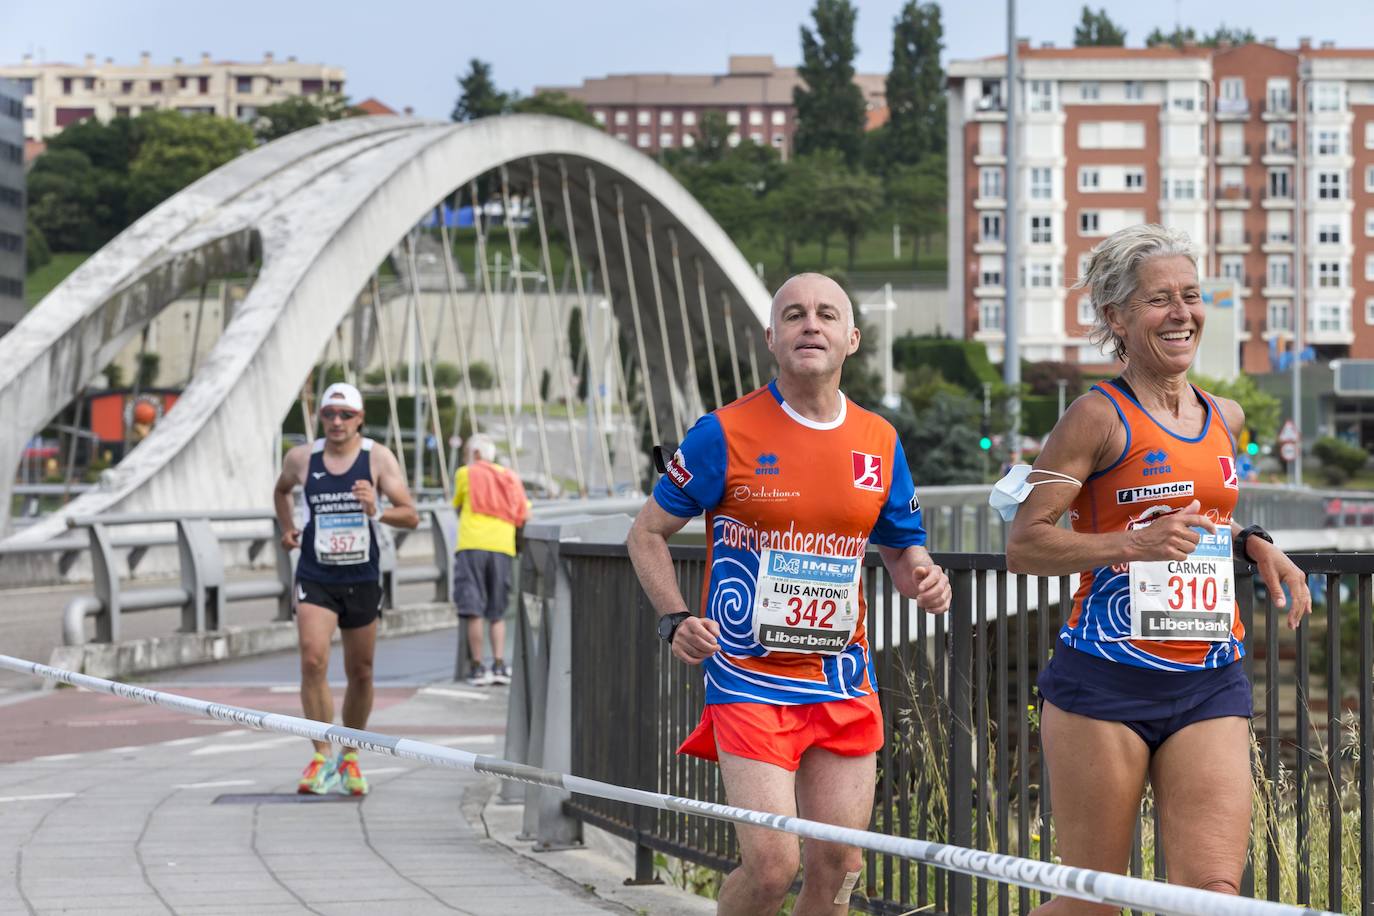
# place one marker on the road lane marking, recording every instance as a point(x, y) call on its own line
point(454, 693)
point(216, 785)
point(48, 797)
point(243, 746)
point(181, 742)
point(51, 758)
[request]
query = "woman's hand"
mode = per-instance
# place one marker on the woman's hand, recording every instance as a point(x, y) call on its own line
point(1170, 537)
point(1277, 571)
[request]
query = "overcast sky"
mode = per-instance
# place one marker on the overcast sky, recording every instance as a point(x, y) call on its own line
point(408, 52)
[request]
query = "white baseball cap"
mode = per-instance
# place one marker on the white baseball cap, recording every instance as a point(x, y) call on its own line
point(342, 394)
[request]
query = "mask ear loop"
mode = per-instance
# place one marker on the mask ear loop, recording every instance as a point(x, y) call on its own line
point(1063, 478)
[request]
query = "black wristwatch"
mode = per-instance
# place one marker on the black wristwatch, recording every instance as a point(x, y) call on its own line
point(668, 624)
point(1246, 534)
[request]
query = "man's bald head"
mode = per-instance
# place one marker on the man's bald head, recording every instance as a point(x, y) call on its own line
point(810, 287)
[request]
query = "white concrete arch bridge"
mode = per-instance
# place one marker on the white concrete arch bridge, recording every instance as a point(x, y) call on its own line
point(314, 215)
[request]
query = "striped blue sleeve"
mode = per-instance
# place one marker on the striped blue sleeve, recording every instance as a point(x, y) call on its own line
point(695, 479)
point(899, 523)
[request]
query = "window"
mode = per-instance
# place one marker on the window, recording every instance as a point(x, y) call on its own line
point(1041, 96)
point(1280, 317)
point(1369, 223)
point(1041, 183)
point(755, 118)
point(1280, 270)
point(600, 117)
point(1329, 233)
point(1326, 97)
point(155, 87)
point(756, 137)
point(1278, 95)
point(665, 139)
point(665, 118)
point(991, 226)
point(622, 136)
point(990, 181)
point(88, 83)
point(243, 84)
point(1329, 274)
point(1279, 183)
point(308, 87)
point(1111, 135)
point(779, 118)
point(66, 85)
point(990, 276)
point(644, 118)
point(1083, 264)
point(643, 139)
point(1369, 134)
point(1233, 268)
point(1089, 179)
point(1233, 88)
point(689, 118)
point(1089, 92)
point(1328, 143)
point(1280, 139)
point(732, 118)
point(205, 85)
point(1185, 189)
point(1042, 230)
point(622, 118)
point(1089, 222)
point(990, 315)
point(122, 111)
point(1369, 310)
point(1040, 275)
point(779, 140)
point(1329, 317)
point(1086, 313)
point(1232, 176)
point(689, 139)
point(1369, 178)
point(1329, 185)
point(989, 139)
point(733, 139)
point(1134, 179)
point(1369, 267)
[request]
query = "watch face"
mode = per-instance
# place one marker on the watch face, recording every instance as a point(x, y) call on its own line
point(665, 627)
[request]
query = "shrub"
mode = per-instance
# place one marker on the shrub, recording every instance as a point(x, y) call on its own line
point(1339, 459)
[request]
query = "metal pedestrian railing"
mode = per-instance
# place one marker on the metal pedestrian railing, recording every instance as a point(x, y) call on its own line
point(963, 762)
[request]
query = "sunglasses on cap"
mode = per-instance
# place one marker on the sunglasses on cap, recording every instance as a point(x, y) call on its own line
point(329, 414)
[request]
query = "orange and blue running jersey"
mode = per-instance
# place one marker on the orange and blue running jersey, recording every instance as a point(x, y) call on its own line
point(1158, 472)
point(769, 478)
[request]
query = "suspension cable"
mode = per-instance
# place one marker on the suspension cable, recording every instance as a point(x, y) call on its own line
point(674, 401)
point(451, 288)
point(710, 336)
point(646, 377)
point(421, 339)
point(491, 323)
point(394, 427)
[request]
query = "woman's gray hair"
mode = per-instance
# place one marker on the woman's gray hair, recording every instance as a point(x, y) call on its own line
point(1113, 272)
point(482, 446)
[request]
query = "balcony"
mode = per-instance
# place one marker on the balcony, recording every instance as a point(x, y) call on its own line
point(1233, 197)
point(990, 155)
point(991, 244)
point(1279, 109)
point(1232, 241)
point(1277, 242)
point(990, 108)
point(1281, 198)
point(1232, 153)
point(1279, 153)
point(1233, 109)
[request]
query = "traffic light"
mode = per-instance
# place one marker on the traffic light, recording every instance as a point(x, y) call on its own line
point(1252, 449)
point(984, 440)
point(985, 443)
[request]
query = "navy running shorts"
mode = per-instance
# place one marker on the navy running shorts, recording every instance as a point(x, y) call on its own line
point(1153, 704)
point(356, 603)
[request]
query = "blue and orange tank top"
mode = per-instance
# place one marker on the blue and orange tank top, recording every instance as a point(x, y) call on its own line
point(1157, 473)
point(769, 480)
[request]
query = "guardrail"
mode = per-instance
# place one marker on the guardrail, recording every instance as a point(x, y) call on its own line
point(204, 591)
point(962, 762)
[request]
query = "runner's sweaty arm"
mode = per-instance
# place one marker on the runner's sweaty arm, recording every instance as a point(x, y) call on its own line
point(647, 543)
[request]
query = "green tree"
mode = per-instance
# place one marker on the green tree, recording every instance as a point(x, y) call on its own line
point(917, 199)
point(1261, 409)
point(478, 96)
point(149, 366)
point(36, 250)
point(62, 195)
point(554, 103)
point(175, 150)
point(1098, 30)
point(734, 187)
point(299, 112)
point(446, 376)
point(941, 440)
point(1180, 35)
point(1177, 37)
point(915, 86)
point(830, 107)
point(1236, 36)
point(480, 376)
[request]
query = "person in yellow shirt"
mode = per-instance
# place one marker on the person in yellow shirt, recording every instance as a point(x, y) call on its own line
point(492, 504)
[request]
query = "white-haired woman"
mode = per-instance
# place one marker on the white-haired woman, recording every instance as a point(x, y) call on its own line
point(1145, 682)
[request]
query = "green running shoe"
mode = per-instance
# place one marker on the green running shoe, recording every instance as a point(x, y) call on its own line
point(351, 780)
point(320, 777)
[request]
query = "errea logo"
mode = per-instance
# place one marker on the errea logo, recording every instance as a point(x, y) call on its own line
point(1156, 463)
point(768, 464)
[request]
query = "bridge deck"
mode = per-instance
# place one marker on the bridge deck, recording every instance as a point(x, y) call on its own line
point(112, 807)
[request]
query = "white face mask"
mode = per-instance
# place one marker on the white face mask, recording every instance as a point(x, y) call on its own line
point(1011, 491)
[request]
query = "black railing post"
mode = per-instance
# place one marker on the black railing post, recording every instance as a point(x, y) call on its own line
point(961, 735)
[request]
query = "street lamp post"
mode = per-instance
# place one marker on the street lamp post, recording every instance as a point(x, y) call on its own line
point(1011, 351)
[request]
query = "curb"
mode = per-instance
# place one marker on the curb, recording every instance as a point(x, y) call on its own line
point(142, 656)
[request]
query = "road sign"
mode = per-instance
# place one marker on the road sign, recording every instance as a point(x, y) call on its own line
point(1289, 433)
point(1288, 451)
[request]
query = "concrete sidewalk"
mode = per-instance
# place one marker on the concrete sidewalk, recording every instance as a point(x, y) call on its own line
point(137, 809)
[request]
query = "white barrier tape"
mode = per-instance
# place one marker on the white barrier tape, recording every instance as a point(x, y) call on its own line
point(1098, 887)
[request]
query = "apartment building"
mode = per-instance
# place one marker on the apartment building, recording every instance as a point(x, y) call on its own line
point(1263, 155)
point(659, 111)
point(58, 94)
point(12, 225)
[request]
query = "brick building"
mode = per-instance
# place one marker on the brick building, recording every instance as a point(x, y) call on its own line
point(1263, 155)
point(658, 111)
point(57, 94)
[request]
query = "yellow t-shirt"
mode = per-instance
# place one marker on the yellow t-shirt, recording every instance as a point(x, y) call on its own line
point(475, 530)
